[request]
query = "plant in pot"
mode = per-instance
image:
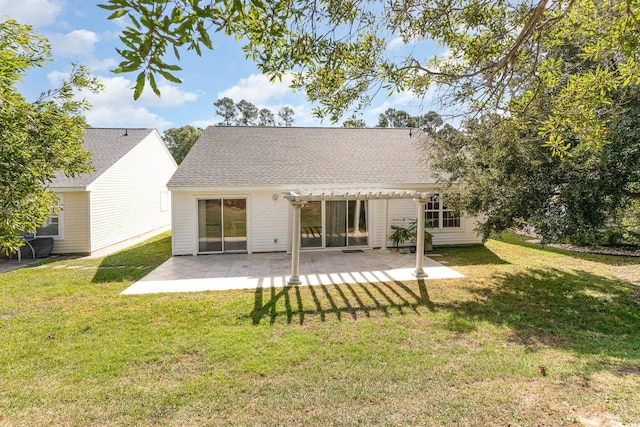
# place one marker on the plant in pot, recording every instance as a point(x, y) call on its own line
point(428, 237)
point(400, 235)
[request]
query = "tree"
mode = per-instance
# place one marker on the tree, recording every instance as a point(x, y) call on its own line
point(354, 122)
point(266, 118)
point(286, 115)
point(392, 118)
point(247, 113)
point(40, 138)
point(180, 140)
point(244, 113)
point(495, 50)
point(512, 181)
point(226, 108)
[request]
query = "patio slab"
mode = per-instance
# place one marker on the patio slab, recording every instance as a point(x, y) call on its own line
point(242, 271)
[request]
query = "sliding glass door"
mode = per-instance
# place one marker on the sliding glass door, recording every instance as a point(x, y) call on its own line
point(311, 225)
point(336, 220)
point(358, 234)
point(334, 224)
point(222, 225)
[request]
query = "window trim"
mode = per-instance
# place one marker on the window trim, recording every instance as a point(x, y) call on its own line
point(440, 210)
point(60, 216)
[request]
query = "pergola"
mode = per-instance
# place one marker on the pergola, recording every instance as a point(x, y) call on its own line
point(300, 198)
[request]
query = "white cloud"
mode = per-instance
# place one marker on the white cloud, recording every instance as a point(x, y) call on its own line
point(82, 44)
point(115, 106)
point(128, 115)
point(395, 44)
point(33, 12)
point(204, 123)
point(258, 90)
point(75, 43)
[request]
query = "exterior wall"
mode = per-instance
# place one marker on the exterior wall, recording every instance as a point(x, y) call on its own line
point(74, 224)
point(184, 223)
point(267, 220)
point(404, 210)
point(126, 200)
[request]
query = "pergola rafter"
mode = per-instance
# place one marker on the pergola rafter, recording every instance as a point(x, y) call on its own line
point(301, 197)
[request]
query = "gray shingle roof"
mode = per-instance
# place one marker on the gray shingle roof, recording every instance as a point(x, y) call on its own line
point(273, 156)
point(106, 146)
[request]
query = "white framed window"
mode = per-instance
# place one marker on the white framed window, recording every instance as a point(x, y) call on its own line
point(439, 214)
point(53, 226)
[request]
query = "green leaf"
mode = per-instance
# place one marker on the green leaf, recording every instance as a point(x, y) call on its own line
point(169, 76)
point(117, 14)
point(154, 86)
point(139, 85)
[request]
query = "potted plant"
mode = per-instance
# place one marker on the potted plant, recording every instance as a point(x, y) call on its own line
point(400, 235)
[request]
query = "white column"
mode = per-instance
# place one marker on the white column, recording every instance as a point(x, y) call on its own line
point(385, 225)
point(356, 218)
point(294, 280)
point(420, 241)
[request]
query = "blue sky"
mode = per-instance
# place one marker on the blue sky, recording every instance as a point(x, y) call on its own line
point(79, 32)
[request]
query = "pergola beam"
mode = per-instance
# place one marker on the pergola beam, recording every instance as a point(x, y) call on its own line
point(302, 197)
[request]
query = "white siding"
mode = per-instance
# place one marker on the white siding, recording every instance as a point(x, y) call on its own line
point(184, 223)
point(75, 224)
point(267, 220)
point(126, 199)
point(406, 209)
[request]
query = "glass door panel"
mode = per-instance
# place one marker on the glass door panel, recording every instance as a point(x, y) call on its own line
point(311, 225)
point(357, 222)
point(336, 221)
point(210, 225)
point(234, 212)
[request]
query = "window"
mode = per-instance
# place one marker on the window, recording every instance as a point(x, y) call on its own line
point(439, 214)
point(52, 227)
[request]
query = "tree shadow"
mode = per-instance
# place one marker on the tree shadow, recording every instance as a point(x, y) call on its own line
point(577, 311)
point(133, 263)
point(524, 241)
point(354, 301)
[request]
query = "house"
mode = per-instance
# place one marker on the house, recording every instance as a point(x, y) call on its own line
point(124, 198)
point(239, 190)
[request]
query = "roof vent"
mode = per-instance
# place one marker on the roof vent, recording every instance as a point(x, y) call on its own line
point(126, 132)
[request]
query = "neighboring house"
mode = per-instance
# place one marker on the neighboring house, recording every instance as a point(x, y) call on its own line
point(125, 197)
point(235, 190)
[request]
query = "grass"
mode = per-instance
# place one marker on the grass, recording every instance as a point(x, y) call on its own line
point(441, 352)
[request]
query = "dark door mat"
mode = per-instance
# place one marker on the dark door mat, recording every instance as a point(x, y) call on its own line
point(352, 251)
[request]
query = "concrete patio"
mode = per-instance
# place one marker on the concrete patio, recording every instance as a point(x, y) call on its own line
point(242, 271)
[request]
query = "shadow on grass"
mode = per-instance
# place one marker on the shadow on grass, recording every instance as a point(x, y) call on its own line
point(134, 263)
point(518, 240)
point(468, 255)
point(351, 300)
point(578, 311)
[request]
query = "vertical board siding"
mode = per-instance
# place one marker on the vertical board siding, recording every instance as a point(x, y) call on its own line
point(75, 224)
point(126, 199)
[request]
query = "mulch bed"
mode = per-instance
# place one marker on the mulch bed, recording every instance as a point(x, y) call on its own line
point(629, 251)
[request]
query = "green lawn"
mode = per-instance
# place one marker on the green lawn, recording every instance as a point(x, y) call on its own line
point(442, 352)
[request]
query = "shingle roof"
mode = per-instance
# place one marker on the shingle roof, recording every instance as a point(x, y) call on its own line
point(106, 146)
point(272, 156)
